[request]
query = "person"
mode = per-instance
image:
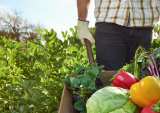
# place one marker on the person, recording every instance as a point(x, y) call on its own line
point(121, 27)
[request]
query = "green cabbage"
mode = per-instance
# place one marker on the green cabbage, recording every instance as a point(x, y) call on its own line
point(110, 100)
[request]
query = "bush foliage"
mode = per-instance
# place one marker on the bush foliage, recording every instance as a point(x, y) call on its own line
point(32, 72)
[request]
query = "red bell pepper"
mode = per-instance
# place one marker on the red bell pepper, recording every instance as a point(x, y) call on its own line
point(153, 108)
point(124, 79)
point(147, 110)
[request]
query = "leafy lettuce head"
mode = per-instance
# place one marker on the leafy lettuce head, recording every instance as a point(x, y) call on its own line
point(110, 100)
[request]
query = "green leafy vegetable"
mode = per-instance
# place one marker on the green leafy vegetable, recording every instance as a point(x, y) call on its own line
point(137, 66)
point(110, 100)
point(83, 84)
point(156, 43)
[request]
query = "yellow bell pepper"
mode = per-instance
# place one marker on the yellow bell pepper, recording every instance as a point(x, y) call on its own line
point(146, 91)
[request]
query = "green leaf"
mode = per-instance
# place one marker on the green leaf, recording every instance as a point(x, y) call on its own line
point(156, 107)
point(80, 105)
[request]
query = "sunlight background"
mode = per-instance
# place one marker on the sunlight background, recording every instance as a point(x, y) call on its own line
point(57, 14)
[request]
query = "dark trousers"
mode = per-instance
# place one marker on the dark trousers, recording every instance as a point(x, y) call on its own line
point(116, 45)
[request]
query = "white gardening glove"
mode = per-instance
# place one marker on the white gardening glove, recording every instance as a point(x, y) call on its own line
point(83, 31)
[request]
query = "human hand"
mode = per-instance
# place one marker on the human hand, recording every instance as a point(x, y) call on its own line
point(83, 31)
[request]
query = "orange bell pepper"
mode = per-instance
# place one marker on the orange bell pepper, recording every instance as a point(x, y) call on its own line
point(146, 91)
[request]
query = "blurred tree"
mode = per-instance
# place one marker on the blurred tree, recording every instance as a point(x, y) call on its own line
point(13, 25)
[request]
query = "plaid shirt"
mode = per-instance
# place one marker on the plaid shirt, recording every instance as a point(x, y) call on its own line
point(131, 13)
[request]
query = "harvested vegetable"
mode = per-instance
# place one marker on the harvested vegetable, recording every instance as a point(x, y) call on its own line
point(154, 63)
point(124, 79)
point(153, 108)
point(82, 84)
point(110, 100)
point(148, 109)
point(145, 63)
point(138, 67)
point(146, 92)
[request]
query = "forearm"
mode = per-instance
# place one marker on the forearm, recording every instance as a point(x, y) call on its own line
point(82, 6)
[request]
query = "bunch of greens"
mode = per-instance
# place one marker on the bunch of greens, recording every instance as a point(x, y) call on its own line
point(138, 65)
point(145, 63)
point(82, 84)
point(155, 43)
point(153, 66)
